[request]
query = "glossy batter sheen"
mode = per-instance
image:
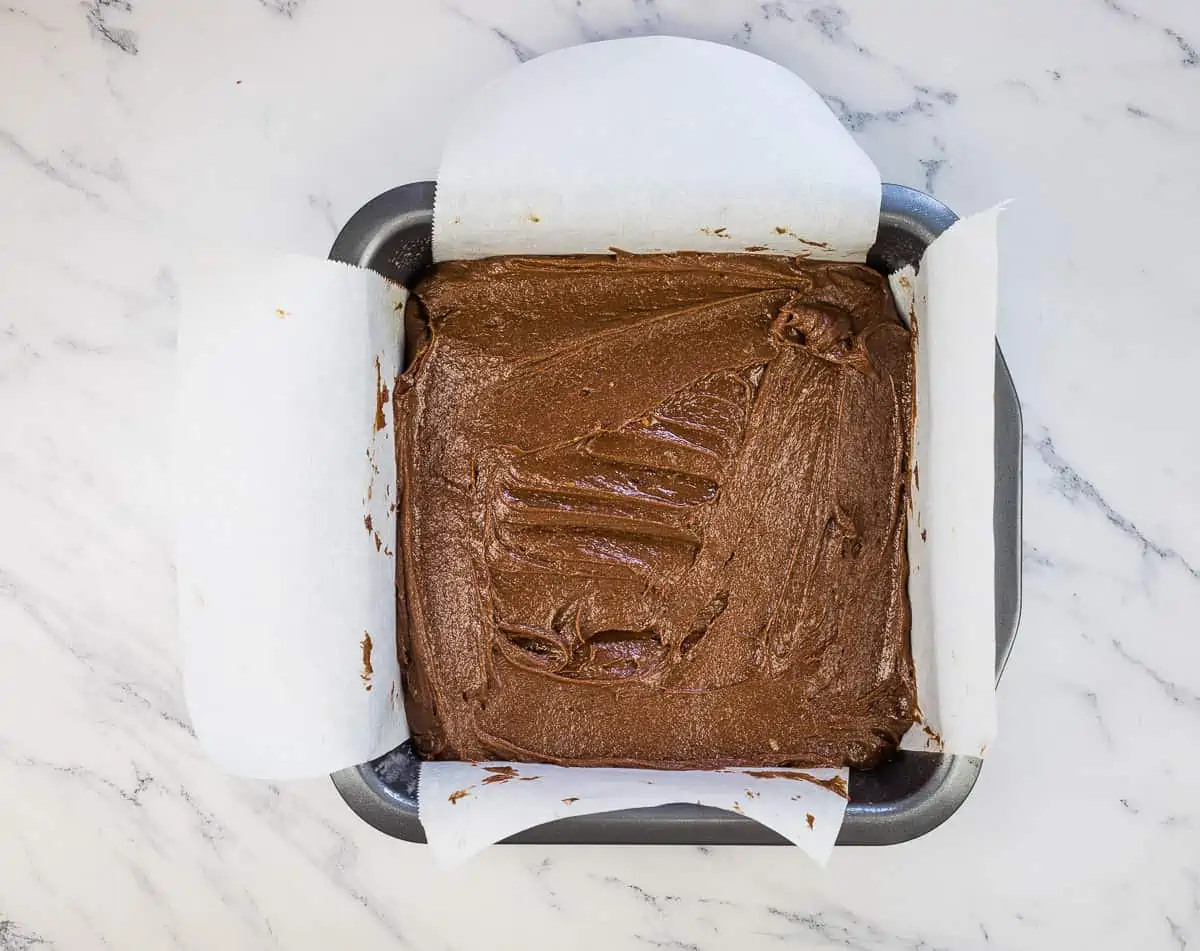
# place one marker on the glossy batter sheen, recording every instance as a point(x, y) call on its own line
point(652, 512)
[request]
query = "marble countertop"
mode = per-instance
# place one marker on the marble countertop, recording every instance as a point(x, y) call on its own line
point(269, 122)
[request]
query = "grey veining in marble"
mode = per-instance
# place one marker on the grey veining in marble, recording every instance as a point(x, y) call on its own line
point(125, 123)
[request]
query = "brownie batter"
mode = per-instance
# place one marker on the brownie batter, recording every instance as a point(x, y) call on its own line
point(653, 512)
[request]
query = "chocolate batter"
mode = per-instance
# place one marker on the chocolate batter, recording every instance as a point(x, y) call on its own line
point(652, 512)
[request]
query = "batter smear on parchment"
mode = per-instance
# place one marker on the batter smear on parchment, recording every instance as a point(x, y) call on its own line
point(652, 512)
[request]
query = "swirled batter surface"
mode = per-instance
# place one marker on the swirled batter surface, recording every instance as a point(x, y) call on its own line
point(652, 512)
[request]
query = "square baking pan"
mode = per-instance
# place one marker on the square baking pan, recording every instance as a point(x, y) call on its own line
point(897, 801)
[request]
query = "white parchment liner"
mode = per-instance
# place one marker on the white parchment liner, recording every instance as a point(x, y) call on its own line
point(286, 470)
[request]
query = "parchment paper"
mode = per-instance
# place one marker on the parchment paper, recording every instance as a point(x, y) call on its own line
point(653, 144)
point(467, 806)
point(285, 484)
point(643, 144)
point(951, 580)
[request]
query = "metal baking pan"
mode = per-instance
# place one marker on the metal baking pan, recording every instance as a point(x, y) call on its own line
point(895, 802)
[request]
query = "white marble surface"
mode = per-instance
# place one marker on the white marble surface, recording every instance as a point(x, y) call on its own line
point(269, 122)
